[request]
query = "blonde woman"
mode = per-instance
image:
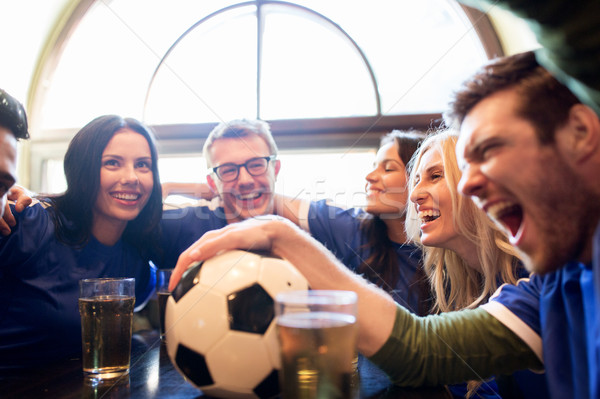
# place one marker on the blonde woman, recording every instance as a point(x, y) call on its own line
point(466, 258)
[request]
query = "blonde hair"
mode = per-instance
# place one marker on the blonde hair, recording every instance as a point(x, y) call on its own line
point(454, 284)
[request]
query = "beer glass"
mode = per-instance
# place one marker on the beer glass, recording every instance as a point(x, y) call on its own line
point(162, 291)
point(106, 309)
point(317, 334)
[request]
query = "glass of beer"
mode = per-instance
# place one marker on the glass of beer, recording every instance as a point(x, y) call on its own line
point(162, 291)
point(106, 309)
point(317, 334)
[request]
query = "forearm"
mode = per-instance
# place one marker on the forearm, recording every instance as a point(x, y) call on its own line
point(376, 310)
point(292, 208)
point(450, 348)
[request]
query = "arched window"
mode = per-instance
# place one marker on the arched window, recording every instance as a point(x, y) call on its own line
point(330, 76)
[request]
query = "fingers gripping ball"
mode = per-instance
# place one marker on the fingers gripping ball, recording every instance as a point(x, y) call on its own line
point(220, 323)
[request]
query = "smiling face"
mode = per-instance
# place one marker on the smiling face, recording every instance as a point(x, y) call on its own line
point(386, 184)
point(527, 188)
point(126, 181)
point(432, 200)
point(247, 196)
point(8, 164)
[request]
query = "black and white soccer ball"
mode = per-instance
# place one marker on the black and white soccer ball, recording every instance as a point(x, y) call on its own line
point(220, 327)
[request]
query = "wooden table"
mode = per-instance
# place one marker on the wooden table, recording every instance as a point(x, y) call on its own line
point(153, 376)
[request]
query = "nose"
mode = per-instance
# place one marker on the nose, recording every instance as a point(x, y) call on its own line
point(418, 194)
point(129, 175)
point(472, 182)
point(372, 176)
point(244, 177)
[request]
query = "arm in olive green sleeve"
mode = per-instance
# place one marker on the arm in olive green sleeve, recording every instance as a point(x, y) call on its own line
point(450, 348)
point(569, 33)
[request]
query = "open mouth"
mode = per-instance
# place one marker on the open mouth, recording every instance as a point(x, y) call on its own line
point(249, 196)
point(126, 196)
point(429, 215)
point(509, 214)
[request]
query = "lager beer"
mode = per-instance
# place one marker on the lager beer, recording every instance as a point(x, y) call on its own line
point(318, 355)
point(106, 324)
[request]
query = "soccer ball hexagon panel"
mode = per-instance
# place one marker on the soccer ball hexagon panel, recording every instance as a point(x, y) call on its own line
point(220, 326)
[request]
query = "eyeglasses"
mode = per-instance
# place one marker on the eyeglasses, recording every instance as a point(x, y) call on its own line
point(230, 171)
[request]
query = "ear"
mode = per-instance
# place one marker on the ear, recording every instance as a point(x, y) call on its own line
point(212, 184)
point(276, 167)
point(582, 136)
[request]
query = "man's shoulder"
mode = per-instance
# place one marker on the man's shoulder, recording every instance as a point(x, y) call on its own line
point(327, 210)
point(33, 216)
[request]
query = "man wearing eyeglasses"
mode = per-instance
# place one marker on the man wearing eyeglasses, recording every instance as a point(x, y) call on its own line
point(241, 158)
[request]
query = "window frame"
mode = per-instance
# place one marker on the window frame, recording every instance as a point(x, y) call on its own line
point(173, 139)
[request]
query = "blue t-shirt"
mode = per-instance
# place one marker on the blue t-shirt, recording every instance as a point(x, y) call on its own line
point(181, 227)
point(339, 230)
point(39, 288)
point(556, 315)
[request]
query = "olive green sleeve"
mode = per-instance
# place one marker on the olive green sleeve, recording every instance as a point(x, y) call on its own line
point(569, 32)
point(451, 348)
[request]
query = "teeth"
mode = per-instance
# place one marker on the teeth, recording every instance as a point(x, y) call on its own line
point(126, 197)
point(249, 196)
point(496, 209)
point(430, 213)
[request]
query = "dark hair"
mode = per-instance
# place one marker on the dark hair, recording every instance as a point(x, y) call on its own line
point(381, 267)
point(73, 210)
point(543, 100)
point(13, 116)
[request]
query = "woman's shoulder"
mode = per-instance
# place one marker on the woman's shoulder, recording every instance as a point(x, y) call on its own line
point(336, 211)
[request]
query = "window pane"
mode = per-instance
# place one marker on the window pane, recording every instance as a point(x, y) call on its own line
point(182, 169)
point(420, 50)
point(336, 175)
point(316, 73)
point(210, 75)
point(108, 61)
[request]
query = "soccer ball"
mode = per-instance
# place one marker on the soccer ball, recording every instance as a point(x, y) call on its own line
point(220, 327)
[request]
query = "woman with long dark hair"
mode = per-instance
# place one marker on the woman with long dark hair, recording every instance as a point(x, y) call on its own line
point(104, 225)
point(372, 240)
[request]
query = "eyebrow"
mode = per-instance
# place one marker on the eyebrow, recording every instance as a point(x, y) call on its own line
point(240, 164)
point(437, 165)
point(121, 157)
point(391, 160)
point(474, 147)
